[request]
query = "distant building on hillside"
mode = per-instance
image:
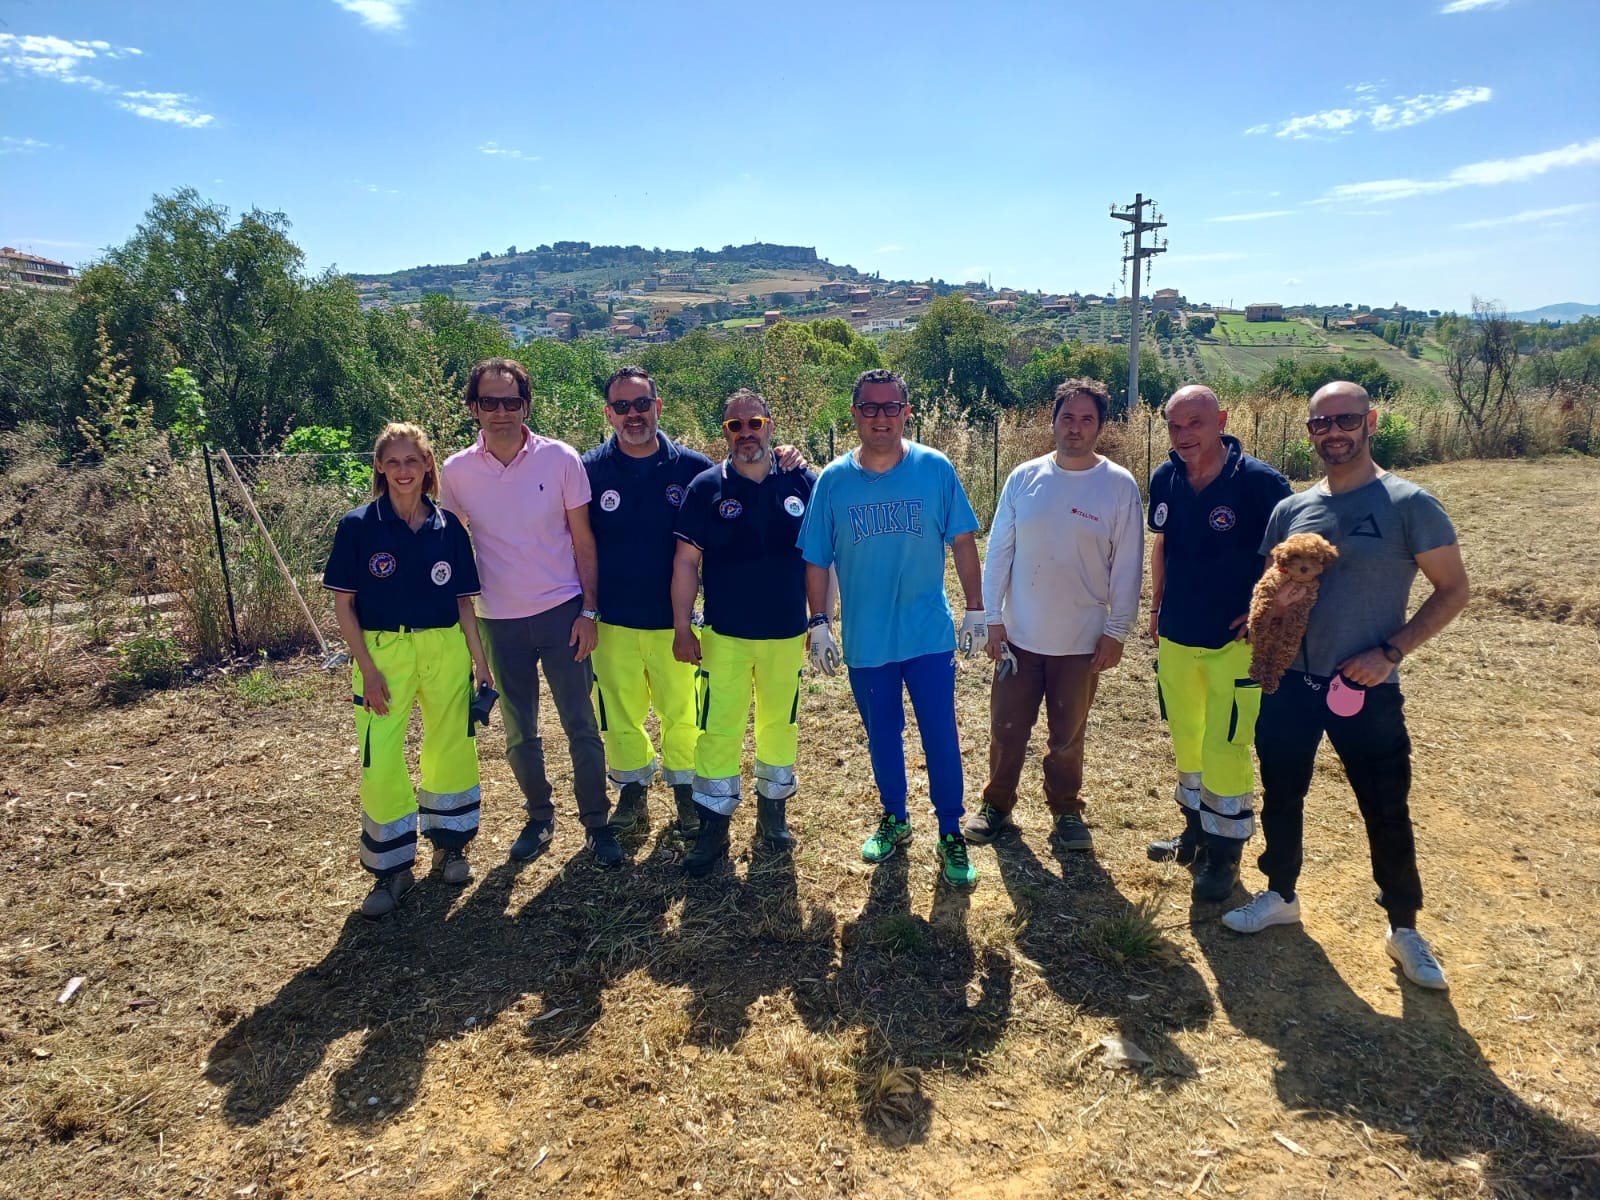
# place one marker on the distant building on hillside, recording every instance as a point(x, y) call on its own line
point(1165, 300)
point(1000, 306)
point(836, 289)
point(1367, 320)
point(772, 316)
point(1263, 312)
point(861, 296)
point(29, 270)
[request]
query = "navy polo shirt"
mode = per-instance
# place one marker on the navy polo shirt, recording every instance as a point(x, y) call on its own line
point(1211, 543)
point(747, 532)
point(401, 578)
point(633, 506)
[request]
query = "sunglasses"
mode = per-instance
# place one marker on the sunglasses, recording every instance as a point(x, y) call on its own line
point(496, 403)
point(640, 404)
point(1349, 422)
point(755, 424)
point(889, 408)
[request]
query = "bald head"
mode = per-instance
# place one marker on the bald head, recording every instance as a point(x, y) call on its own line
point(1198, 396)
point(1195, 421)
point(1343, 391)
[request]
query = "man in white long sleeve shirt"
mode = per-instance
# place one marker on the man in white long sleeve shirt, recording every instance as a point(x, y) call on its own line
point(1061, 592)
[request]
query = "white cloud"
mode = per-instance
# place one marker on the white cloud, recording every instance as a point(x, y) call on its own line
point(1332, 120)
point(60, 59)
point(387, 15)
point(21, 145)
point(1413, 110)
point(1291, 282)
point(1461, 6)
point(497, 150)
point(1528, 216)
point(1397, 112)
point(1479, 174)
point(175, 108)
point(1253, 216)
point(889, 249)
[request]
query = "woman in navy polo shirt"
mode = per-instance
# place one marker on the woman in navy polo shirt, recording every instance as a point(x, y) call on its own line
point(403, 579)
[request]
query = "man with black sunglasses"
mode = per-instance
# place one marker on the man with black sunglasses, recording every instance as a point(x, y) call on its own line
point(1208, 505)
point(524, 498)
point(1344, 682)
point(738, 527)
point(883, 514)
point(637, 481)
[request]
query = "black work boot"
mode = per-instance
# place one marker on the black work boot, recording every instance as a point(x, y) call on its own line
point(1186, 848)
point(632, 814)
point(1220, 874)
point(771, 824)
point(710, 843)
point(688, 812)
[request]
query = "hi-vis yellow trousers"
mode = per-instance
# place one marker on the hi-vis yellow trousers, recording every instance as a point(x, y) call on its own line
point(431, 667)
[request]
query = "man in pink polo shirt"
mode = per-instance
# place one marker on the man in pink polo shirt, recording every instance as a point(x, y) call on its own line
point(524, 498)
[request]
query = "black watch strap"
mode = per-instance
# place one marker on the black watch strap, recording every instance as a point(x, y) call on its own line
point(819, 619)
point(1392, 652)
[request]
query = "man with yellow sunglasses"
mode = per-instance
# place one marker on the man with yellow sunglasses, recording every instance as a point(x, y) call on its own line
point(738, 526)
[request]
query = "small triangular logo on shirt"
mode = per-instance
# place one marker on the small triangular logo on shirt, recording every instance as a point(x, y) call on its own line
point(1366, 527)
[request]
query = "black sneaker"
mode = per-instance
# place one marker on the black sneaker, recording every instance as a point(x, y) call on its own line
point(1179, 848)
point(1070, 833)
point(602, 843)
point(632, 814)
point(986, 824)
point(534, 839)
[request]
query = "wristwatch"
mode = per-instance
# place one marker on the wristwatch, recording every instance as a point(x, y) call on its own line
point(1393, 653)
point(819, 619)
point(594, 614)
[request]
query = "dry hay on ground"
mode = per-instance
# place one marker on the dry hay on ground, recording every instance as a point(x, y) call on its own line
point(813, 1028)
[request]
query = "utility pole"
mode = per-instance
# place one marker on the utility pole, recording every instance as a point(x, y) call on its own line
point(1134, 215)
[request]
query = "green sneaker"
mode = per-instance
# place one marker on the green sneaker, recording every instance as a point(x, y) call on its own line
point(958, 869)
point(891, 831)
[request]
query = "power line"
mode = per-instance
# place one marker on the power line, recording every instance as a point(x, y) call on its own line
point(1138, 227)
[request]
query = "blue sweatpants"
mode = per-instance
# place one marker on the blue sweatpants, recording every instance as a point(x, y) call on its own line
point(931, 681)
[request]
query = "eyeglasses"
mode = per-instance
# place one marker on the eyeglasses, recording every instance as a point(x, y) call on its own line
point(496, 403)
point(1349, 422)
point(889, 408)
point(639, 404)
point(756, 424)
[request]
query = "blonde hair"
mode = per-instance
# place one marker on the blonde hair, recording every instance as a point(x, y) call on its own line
point(404, 431)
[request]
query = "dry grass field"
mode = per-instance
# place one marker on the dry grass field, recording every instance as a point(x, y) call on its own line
point(813, 1027)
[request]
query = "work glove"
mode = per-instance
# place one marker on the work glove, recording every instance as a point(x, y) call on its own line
point(974, 631)
point(823, 650)
point(1007, 663)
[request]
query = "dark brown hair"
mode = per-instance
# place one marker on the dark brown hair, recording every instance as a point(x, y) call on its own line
point(1083, 386)
point(501, 366)
point(629, 372)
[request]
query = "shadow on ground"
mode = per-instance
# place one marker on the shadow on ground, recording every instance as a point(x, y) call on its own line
point(1420, 1076)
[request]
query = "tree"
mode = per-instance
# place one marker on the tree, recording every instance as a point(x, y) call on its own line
point(38, 369)
point(957, 351)
point(1480, 363)
point(268, 347)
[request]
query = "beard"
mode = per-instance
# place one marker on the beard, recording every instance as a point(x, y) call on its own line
point(749, 454)
point(637, 437)
point(1335, 454)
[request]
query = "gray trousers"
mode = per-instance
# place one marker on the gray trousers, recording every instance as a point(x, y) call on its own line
point(517, 647)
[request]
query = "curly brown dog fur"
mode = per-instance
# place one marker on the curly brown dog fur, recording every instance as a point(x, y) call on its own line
point(1277, 629)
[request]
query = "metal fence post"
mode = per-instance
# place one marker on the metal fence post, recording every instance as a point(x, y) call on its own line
point(994, 471)
point(1283, 450)
point(222, 552)
point(1149, 436)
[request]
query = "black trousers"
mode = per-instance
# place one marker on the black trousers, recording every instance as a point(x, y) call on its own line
point(1375, 749)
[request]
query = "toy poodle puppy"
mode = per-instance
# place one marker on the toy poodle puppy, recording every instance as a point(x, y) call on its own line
point(1281, 605)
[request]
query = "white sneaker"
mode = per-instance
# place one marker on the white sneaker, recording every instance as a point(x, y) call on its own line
point(1268, 908)
point(1411, 950)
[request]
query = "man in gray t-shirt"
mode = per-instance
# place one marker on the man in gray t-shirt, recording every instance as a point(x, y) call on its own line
point(1343, 682)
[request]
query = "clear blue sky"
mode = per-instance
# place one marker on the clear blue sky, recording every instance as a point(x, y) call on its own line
point(1300, 151)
